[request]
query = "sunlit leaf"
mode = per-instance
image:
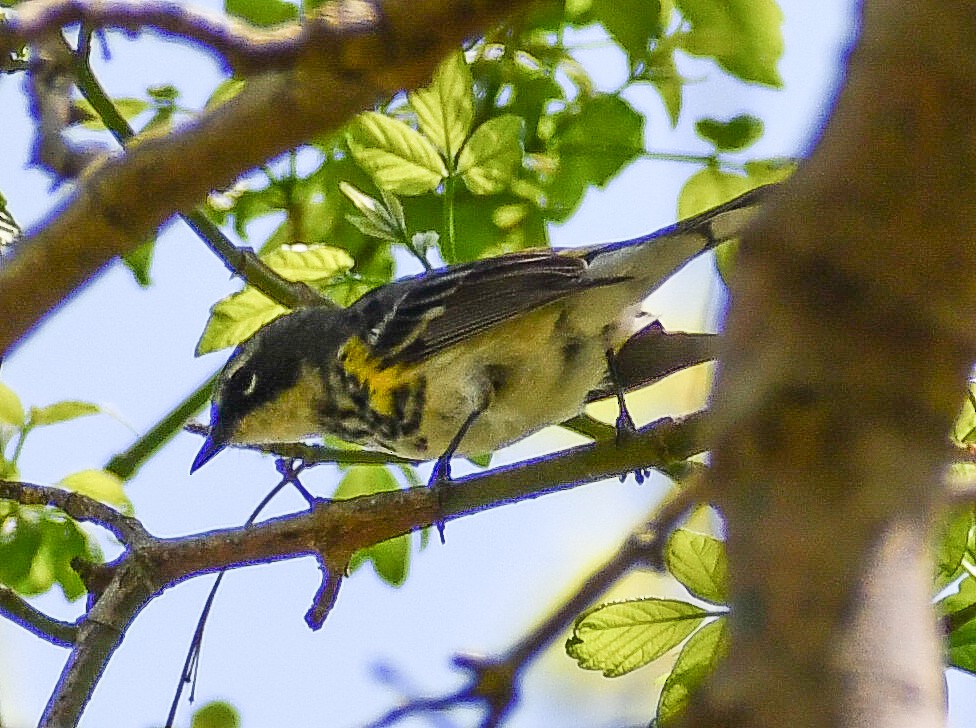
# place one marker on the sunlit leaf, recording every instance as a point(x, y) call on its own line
point(61, 412)
point(400, 159)
point(620, 637)
point(699, 563)
point(235, 318)
point(11, 410)
point(445, 108)
point(101, 485)
point(308, 262)
point(695, 663)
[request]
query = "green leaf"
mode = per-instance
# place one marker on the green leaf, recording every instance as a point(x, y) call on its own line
point(953, 540)
point(217, 714)
point(445, 109)
point(129, 108)
point(20, 539)
point(964, 431)
point(400, 159)
point(225, 91)
point(738, 132)
point(235, 318)
point(37, 546)
point(592, 144)
point(492, 156)
point(743, 36)
point(61, 412)
point(620, 637)
point(632, 23)
point(308, 263)
point(699, 563)
point(696, 662)
point(139, 262)
point(164, 94)
point(390, 558)
point(662, 71)
point(262, 12)
point(376, 219)
point(101, 485)
point(11, 410)
point(961, 647)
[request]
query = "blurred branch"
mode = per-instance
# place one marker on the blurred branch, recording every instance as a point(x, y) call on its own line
point(494, 680)
point(328, 530)
point(18, 611)
point(240, 45)
point(347, 61)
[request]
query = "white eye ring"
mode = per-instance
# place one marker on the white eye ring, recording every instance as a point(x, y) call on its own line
point(252, 384)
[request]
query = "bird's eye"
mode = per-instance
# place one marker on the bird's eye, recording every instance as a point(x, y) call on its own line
point(252, 384)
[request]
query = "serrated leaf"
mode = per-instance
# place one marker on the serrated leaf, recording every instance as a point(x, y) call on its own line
point(696, 662)
point(235, 318)
point(699, 563)
point(445, 108)
point(489, 160)
point(61, 412)
point(744, 36)
point(262, 12)
point(620, 637)
point(738, 132)
point(399, 159)
point(11, 409)
point(390, 558)
point(306, 263)
point(101, 485)
point(217, 714)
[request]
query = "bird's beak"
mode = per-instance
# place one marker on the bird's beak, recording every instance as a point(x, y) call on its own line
point(210, 448)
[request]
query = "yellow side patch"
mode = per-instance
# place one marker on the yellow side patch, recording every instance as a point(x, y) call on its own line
point(381, 382)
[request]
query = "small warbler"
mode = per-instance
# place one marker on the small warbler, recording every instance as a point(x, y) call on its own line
point(459, 360)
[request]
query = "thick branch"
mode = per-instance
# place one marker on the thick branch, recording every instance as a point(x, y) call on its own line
point(849, 339)
point(335, 77)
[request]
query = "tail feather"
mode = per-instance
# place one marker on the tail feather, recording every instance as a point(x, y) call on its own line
point(652, 259)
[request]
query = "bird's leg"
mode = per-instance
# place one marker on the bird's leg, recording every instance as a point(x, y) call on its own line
point(441, 475)
point(625, 423)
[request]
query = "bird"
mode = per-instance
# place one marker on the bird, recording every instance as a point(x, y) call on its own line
point(459, 360)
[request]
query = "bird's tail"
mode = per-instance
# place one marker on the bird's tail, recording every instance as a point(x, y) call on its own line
point(650, 260)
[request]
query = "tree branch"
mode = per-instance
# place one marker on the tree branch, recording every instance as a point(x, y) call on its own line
point(329, 528)
point(356, 63)
point(18, 611)
point(845, 356)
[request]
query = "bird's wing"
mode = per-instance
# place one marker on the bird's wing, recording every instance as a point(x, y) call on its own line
point(420, 316)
